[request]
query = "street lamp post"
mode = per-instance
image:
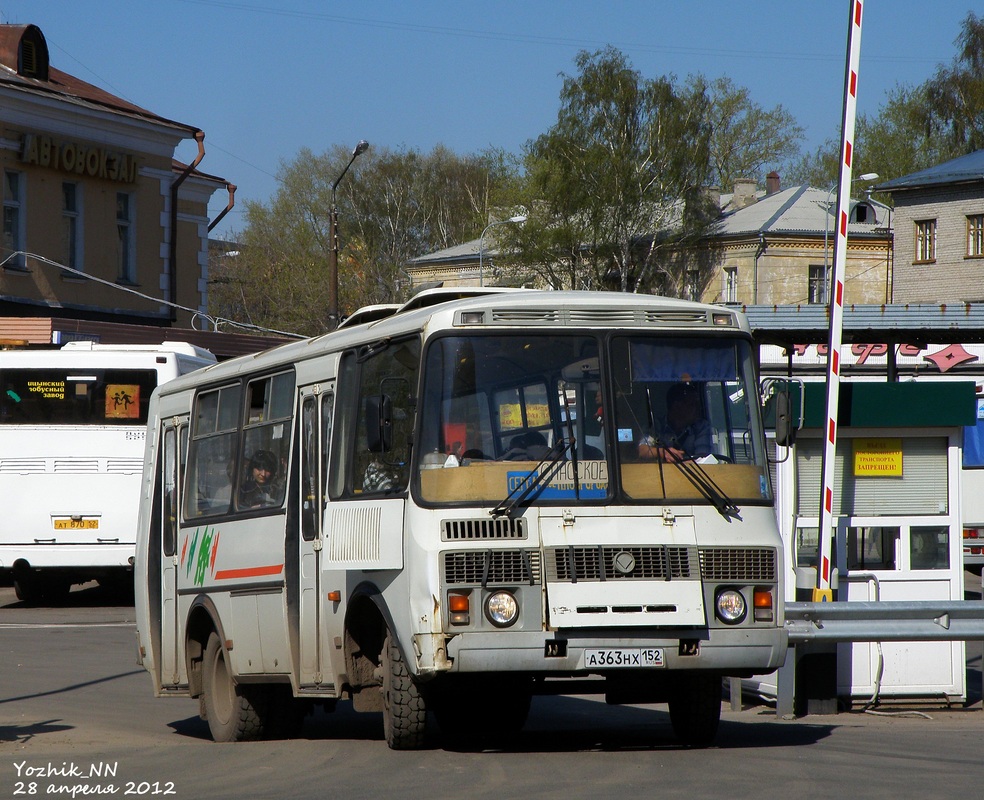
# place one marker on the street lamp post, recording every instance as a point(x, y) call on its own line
point(868, 176)
point(517, 219)
point(360, 148)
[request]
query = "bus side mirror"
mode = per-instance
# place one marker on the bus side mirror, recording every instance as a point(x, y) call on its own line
point(785, 430)
point(379, 423)
point(783, 401)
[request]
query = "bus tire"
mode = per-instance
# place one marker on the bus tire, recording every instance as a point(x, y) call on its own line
point(233, 711)
point(695, 709)
point(404, 711)
point(34, 589)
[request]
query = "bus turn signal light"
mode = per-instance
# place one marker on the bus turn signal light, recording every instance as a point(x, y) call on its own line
point(459, 607)
point(763, 605)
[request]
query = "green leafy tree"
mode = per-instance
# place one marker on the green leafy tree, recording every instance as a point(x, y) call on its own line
point(614, 187)
point(955, 95)
point(746, 139)
point(392, 205)
point(917, 127)
point(891, 143)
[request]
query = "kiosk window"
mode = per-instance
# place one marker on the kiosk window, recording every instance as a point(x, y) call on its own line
point(870, 547)
point(929, 547)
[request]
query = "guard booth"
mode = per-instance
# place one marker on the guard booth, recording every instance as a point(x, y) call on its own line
point(898, 528)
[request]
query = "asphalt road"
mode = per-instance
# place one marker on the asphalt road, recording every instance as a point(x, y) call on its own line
point(78, 718)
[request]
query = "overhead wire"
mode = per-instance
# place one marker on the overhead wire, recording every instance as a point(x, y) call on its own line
point(215, 321)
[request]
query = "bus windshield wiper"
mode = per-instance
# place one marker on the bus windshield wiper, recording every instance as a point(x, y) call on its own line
point(530, 487)
point(694, 472)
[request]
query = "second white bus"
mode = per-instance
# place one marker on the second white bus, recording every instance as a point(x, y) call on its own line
point(72, 427)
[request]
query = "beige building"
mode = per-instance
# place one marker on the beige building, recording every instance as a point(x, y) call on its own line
point(105, 233)
point(778, 249)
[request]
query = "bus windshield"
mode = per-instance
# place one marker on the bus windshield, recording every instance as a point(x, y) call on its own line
point(67, 396)
point(635, 416)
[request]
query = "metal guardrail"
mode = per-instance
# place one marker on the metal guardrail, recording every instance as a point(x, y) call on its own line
point(885, 621)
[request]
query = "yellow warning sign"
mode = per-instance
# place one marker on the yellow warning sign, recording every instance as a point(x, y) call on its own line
point(122, 401)
point(878, 457)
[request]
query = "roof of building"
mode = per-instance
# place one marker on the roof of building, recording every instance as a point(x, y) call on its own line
point(788, 324)
point(51, 82)
point(798, 210)
point(964, 169)
point(466, 253)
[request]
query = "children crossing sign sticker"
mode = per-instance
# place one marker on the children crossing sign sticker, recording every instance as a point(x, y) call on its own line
point(878, 458)
point(122, 401)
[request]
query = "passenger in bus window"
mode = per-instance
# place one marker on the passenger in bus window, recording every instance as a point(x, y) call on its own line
point(260, 487)
point(684, 432)
point(528, 446)
point(380, 477)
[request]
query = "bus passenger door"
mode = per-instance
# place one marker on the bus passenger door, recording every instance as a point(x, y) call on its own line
point(175, 450)
point(314, 434)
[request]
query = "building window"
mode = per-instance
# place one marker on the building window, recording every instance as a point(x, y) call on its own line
point(975, 235)
point(693, 285)
point(816, 291)
point(13, 220)
point(926, 240)
point(731, 284)
point(71, 226)
point(124, 245)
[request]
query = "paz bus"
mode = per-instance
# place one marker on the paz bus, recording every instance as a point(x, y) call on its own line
point(72, 428)
point(445, 509)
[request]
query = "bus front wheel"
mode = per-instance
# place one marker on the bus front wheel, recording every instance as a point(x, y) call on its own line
point(404, 712)
point(232, 710)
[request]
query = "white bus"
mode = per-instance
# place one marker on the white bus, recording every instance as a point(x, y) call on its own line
point(446, 509)
point(72, 426)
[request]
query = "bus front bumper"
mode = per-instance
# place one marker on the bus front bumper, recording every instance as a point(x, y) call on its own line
point(727, 651)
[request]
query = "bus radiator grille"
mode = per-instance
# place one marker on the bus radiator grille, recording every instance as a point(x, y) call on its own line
point(483, 567)
point(738, 564)
point(633, 562)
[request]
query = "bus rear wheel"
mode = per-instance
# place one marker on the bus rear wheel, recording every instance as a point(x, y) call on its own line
point(695, 709)
point(404, 712)
point(233, 711)
point(37, 589)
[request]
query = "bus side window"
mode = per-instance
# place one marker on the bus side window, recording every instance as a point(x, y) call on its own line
point(266, 439)
point(169, 475)
point(382, 430)
point(212, 452)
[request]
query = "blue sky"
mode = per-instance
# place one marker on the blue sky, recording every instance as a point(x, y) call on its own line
point(264, 78)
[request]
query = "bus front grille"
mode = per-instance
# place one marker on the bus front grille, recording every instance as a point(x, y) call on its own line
point(603, 563)
point(738, 564)
point(483, 567)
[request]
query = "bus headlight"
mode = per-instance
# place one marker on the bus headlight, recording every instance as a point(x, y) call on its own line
point(730, 606)
point(501, 609)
